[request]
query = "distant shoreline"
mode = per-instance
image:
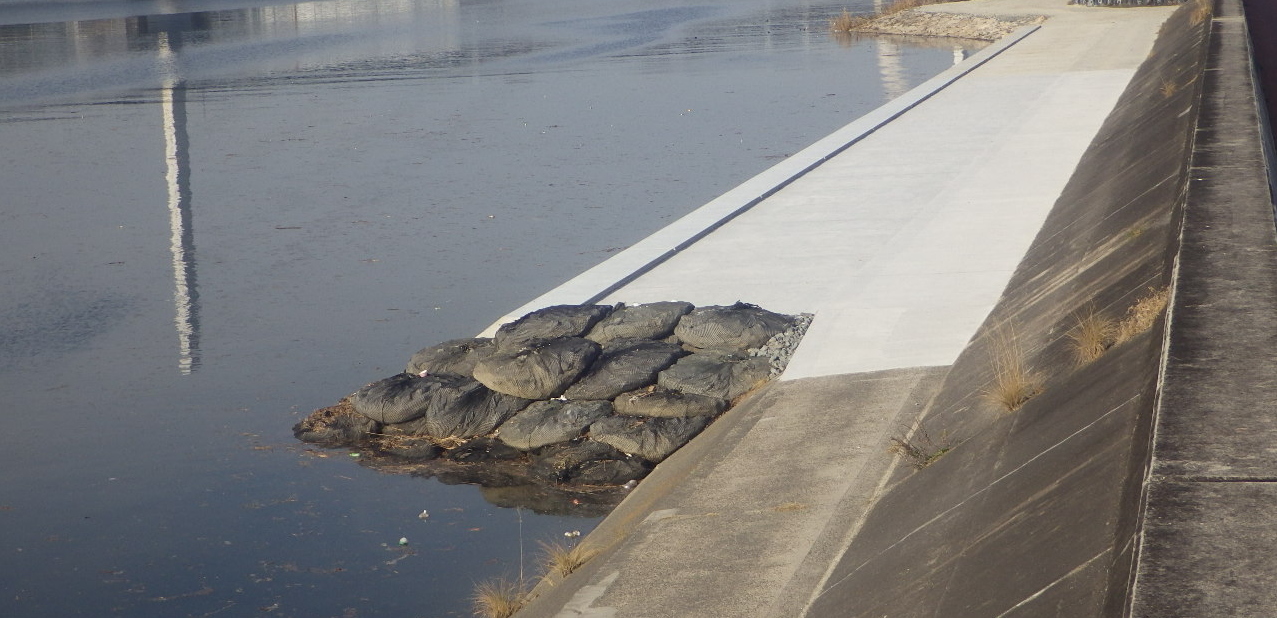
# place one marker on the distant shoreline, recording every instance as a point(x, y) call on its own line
point(921, 22)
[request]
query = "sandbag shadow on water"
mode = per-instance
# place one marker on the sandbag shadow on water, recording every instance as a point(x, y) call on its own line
point(565, 408)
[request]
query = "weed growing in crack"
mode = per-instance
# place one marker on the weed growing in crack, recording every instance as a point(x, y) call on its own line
point(499, 598)
point(918, 447)
point(561, 559)
point(1141, 316)
point(1092, 335)
point(1014, 384)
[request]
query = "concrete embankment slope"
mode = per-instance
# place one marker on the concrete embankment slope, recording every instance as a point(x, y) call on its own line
point(1044, 185)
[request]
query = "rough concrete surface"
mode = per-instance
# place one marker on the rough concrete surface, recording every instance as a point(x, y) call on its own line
point(1208, 545)
point(742, 521)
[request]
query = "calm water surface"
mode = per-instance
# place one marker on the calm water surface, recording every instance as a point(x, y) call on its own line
point(216, 216)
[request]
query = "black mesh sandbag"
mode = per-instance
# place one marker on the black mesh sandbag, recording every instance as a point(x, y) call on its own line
point(624, 365)
point(648, 321)
point(550, 422)
point(551, 322)
point(404, 397)
point(538, 369)
point(456, 356)
point(440, 406)
point(665, 403)
point(652, 439)
point(721, 377)
point(730, 329)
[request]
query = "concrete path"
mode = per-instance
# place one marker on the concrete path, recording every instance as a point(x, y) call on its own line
point(900, 244)
point(934, 209)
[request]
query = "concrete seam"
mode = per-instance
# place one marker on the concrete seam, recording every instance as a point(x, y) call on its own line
point(850, 537)
point(984, 489)
point(1051, 585)
point(1214, 479)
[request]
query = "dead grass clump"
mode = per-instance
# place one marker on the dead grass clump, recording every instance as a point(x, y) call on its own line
point(1014, 384)
point(561, 560)
point(846, 22)
point(918, 447)
point(1202, 11)
point(1092, 335)
point(1141, 316)
point(1169, 88)
point(499, 598)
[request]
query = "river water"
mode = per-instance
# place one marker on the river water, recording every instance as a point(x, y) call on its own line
point(218, 215)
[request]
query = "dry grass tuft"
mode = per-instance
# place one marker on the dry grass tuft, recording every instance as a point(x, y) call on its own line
point(1202, 11)
point(1092, 336)
point(561, 560)
point(1169, 88)
point(499, 598)
point(846, 22)
point(919, 448)
point(1141, 316)
point(1014, 384)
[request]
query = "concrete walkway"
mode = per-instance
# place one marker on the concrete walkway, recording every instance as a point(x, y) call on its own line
point(934, 209)
point(932, 206)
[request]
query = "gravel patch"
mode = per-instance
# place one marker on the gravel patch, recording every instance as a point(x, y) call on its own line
point(781, 346)
point(915, 22)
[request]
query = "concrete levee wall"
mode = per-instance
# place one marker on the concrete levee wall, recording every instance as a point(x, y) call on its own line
point(1036, 512)
point(1209, 547)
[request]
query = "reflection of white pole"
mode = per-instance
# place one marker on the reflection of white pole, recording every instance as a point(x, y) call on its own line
point(889, 65)
point(181, 237)
point(891, 69)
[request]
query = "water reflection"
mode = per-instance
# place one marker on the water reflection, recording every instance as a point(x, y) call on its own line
point(423, 207)
point(506, 486)
point(177, 174)
point(28, 47)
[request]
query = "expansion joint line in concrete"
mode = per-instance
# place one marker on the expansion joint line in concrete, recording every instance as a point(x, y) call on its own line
point(988, 487)
point(1063, 578)
point(1208, 478)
